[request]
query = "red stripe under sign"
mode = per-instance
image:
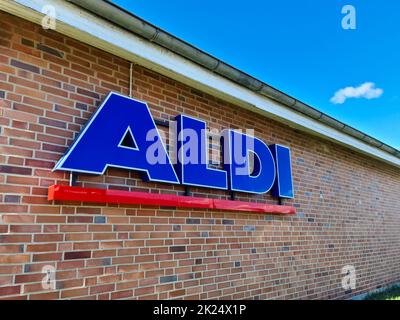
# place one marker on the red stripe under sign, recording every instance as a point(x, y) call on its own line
point(67, 193)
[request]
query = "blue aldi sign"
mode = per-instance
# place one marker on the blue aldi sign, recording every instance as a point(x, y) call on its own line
point(123, 134)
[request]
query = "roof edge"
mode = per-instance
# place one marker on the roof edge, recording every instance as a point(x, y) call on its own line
point(127, 20)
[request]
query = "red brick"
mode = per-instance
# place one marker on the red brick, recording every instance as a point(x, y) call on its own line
point(12, 238)
point(14, 258)
point(50, 219)
point(144, 291)
point(77, 255)
point(80, 219)
point(6, 270)
point(25, 228)
point(18, 218)
point(27, 109)
point(10, 290)
point(74, 293)
point(47, 257)
point(10, 249)
point(15, 170)
point(24, 82)
point(27, 278)
point(122, 294)
point(22, 180)
point(6, 281)
point(45, 296)
point(30, 92)
point(102, 288)
point(48, 237)
point(41, 247)
point(18, 133)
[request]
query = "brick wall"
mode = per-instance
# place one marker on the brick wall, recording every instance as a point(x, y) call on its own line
point(348, 205)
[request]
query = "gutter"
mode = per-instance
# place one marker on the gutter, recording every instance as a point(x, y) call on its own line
point(128, 21)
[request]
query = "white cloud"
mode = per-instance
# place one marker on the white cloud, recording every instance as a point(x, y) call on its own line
point(367, 90)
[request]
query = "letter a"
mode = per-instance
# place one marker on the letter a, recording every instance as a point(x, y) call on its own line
point(100, 144)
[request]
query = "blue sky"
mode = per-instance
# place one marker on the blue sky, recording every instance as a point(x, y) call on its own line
point(300, 47)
